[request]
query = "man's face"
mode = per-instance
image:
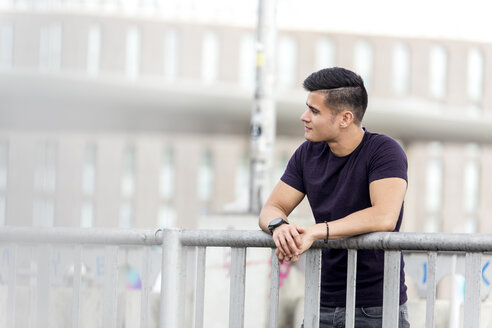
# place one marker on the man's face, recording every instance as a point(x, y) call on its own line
point(320, 124)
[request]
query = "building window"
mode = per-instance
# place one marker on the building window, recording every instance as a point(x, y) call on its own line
point(401, 69)
point(5, 4)
point(167, 217)
point(471, 186)
point(3, 180)
point(127, 187)
point(6, 45)
point(438, 72)
point(126, 215)
point(130, 6)
point(166, 179)
point(205, 177)
point(93, 50)
point(287, 61)
point(45, 170)
point(109, 6)
point(132, 53)
point(325, 54)
point(44, 184)
point(87, 215)
point(2, 211)
point(242, 177)
point(43, 213)
point(88, 185)
point(247, 61)
point(363, 62)
point(149, 6)
point(128, 173)
point(433, 186)
point(3, 165)
point(475, 74)
point(89, 170)
point(171, 54)
point(50, 50)
point(210, 57)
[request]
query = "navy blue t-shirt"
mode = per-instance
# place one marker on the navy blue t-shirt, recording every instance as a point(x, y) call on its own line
point(338, 186)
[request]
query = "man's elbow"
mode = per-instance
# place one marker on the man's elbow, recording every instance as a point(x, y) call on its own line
point(388, 222)
point(261, 225)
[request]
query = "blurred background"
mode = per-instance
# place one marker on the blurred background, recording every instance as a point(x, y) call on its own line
point(136, 113)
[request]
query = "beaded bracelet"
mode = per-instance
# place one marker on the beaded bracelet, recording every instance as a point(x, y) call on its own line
point(327, 232)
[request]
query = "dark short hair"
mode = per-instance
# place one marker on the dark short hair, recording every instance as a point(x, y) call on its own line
point(342, 88)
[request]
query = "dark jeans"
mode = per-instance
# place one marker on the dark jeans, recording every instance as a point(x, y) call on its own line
point(365, 317)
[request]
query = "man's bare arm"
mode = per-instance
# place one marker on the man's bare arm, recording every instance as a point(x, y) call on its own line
point(386, 198)
point(280, 204)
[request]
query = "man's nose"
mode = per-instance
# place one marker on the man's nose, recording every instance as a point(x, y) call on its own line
point(305, 116)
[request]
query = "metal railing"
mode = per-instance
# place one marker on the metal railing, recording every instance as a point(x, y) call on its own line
point(473, 245)
point(42, 238)
point(175, 243)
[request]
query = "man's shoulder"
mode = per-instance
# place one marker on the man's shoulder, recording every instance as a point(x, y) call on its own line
point(377, 140)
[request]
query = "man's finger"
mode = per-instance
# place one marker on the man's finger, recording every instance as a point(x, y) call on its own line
point(279, 255)
point(296, 241)
point(294, 258)
point(281, 244)
point(285, 242)
point(290, 246)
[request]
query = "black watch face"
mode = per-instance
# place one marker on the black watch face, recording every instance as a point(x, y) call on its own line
point(276, 222)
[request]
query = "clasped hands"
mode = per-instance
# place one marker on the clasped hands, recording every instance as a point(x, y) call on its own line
point(291, 241)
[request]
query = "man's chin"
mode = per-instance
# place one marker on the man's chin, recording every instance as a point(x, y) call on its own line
point(308, 138)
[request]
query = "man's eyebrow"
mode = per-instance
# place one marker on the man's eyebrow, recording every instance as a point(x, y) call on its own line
point(312, 107)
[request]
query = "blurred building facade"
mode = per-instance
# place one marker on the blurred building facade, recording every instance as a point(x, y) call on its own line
point(134, 114)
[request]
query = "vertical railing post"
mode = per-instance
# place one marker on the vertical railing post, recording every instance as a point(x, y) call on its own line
point(274, 288)
point(11, 301)
point(431, 290)
point(110, 292)
point(77, 265)
point(311, 299)
point(43, 285)
point(472, 289)
point(201, 260)
point(145, 289)
point(170, 307)
point(391, 289)
point(351, 285)
point(238, 288)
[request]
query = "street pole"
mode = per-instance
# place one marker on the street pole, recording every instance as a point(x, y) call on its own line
point(263, 116)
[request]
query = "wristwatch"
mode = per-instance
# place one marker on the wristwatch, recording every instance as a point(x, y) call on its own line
point(275, 223)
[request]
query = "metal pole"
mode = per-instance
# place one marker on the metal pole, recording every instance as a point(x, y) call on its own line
point(171, 291)
point(263, 112)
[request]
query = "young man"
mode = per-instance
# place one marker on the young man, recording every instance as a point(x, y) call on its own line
point(355, 182)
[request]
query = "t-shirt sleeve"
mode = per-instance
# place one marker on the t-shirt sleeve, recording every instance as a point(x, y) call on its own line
point(293, 175)
point(388, 161)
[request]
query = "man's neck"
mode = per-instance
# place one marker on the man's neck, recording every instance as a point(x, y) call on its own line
point(348, 140)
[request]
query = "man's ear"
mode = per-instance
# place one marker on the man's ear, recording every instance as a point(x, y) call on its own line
point(347, 118)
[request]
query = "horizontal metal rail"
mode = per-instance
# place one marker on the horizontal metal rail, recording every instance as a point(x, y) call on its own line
point(81, 236)
point(408, 241)
point(176, 242)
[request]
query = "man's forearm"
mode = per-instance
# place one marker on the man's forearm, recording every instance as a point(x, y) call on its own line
point(281, 202)
point(367, 220)
point(268, 213)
